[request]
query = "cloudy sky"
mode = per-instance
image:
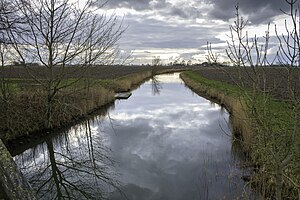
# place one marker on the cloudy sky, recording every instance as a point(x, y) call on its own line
point(180, 29)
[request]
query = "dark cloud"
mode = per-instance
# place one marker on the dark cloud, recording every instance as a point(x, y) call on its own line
point(150, 33)
point(178, 12)
point(185, 12)
point(161, 7)
point(159, 4)
point(258, 11)
point(133, 4)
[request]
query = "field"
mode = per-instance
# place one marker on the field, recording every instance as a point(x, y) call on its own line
point(276, 81)
point(95, 72)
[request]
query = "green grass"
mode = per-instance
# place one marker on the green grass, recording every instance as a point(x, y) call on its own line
point(226, 88)
point(276, 113)
point(281, 110)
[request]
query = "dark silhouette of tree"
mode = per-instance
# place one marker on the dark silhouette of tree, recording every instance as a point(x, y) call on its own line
point(60, 34)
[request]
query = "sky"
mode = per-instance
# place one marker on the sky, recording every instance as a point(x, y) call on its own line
point(180, 29)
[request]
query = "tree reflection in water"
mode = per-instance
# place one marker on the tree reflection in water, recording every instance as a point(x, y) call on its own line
point(73, 166)
point(155, 85)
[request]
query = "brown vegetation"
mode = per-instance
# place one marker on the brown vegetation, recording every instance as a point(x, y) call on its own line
point(27, 109)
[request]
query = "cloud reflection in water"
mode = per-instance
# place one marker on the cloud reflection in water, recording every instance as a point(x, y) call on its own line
point(172, 146)
point(167, 145)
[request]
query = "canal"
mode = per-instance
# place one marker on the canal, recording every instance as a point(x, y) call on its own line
point(164, 142)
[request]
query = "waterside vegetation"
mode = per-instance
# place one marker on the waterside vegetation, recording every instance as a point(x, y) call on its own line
point(25, 115)
point(266, 129)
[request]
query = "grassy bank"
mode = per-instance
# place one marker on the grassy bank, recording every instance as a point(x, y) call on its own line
point(24, 112)
point(267, 129)
point(226, 95)
point(23, 116)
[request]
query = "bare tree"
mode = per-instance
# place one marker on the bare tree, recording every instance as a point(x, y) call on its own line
point(211, 57)
point(276, 150)
point(8, 21)
point(235, 51)
point(156, 62)
point(4, 51)
point(12, 182)
point(61, 34)
point(290, 41)
point(289, 47)
point(289, 56)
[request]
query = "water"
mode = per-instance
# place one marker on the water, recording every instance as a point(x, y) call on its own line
point(164, 142)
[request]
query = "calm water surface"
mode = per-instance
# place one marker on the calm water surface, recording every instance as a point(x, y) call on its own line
point(164, 142)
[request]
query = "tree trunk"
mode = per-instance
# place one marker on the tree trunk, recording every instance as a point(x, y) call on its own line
point(13, 183)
